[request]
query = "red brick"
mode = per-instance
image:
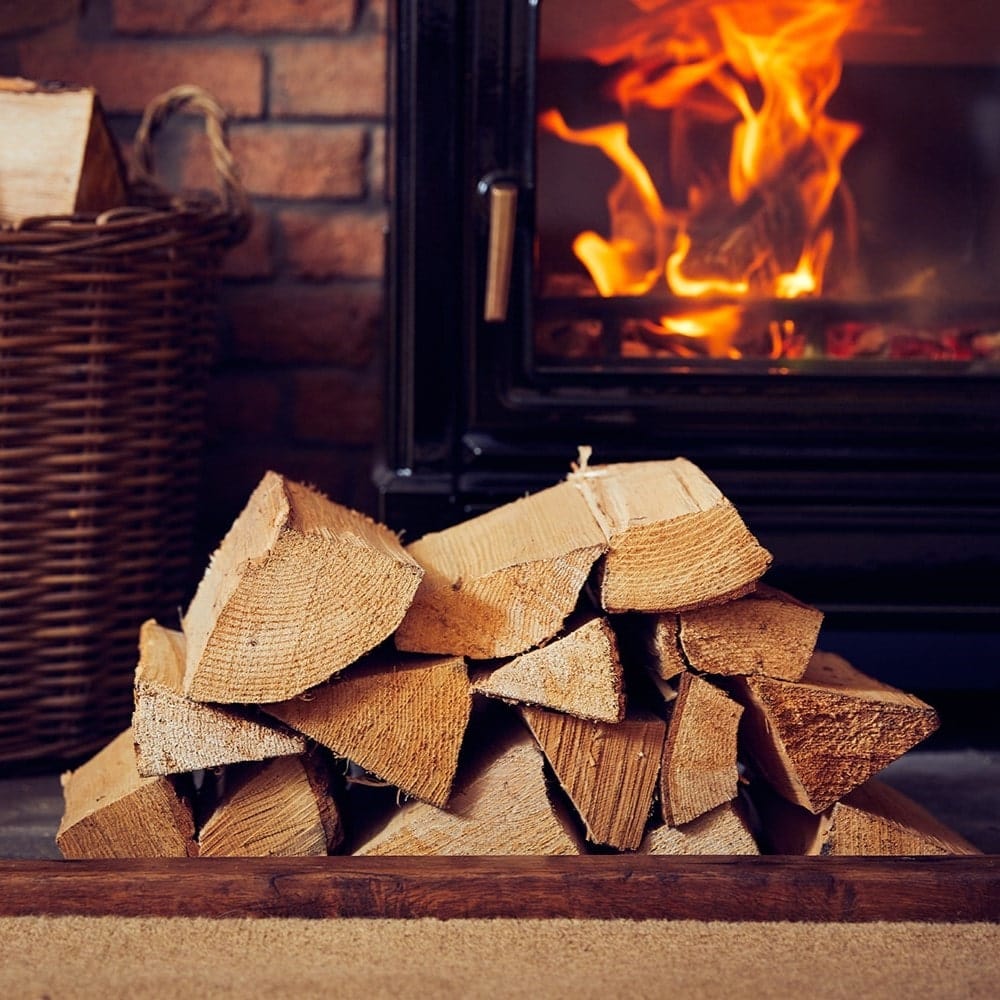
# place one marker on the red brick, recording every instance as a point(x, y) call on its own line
point(377, 15)
point(335, 77)
point(302, 161)
point(282, 324)
point(127, 76)
point(344, 243)
point(253, 257)
point(197, 16)
point(335, 407)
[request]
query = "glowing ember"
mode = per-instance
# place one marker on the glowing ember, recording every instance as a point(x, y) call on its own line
point(762, 75)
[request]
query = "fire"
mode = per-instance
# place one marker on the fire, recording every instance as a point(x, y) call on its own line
point(759, 223)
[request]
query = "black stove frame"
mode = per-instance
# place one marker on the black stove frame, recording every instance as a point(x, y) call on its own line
point(878, 494)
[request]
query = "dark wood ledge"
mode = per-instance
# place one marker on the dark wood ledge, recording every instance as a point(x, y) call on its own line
point(767, 888)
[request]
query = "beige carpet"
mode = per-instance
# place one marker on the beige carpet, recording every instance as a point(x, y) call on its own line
point(62, 958)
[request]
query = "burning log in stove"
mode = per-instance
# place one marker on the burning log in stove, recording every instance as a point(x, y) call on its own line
point(714, 700)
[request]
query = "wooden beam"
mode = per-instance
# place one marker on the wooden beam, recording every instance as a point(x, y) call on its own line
point(741, 888)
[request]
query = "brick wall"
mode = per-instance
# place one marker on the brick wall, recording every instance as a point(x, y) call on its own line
point(297, 385)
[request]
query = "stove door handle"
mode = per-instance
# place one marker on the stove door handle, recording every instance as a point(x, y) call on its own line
point(500, 249)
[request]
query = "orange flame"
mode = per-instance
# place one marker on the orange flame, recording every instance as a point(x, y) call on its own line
point(764, 72)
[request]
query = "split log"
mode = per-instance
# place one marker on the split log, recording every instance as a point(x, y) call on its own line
point(501, 806)
point(401, 718)
point(174, 734)
point(872, 820)
point(58, 157)
point(300, 588)
point(663, 653)
point(113, 812)
point(767, 632)
point(674, 541)
point(722, 830)
point(281, 808)
point(608, 770)
point(502, 582)
point(817, 739)
point(579, 673)
point(699, 769)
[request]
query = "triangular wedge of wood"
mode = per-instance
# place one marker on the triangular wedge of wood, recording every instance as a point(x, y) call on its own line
point(64, 159)
point(399, 716)
point(111, 811)
point(766, 632)
point(722, 830)
point(279, 808)
point(299, 588)
point(608, 770)
point(579, 673)
point(502, 582)
point(501, 805)
point(874, 819)
point(699, 770)
point(175, 735)
point(674, 541)
point(817, 739)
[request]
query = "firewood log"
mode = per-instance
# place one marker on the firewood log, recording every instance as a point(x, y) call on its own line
point(872, 820)
point(674, 541)
point(722, 830)
point(112, 812)
point(278, 808)
point(501, 806)
point(817, 739)
point(299, 588)
point(765, 632)
point(699, 770)
point(608, 770)
point(502, 582)
point(59, 157)
point(175, 735)
point(398, 716)
point(579, 673)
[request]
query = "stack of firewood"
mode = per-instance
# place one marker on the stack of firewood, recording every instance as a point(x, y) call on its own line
point(595, 667)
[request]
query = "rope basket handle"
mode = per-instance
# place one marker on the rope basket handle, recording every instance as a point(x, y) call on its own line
point(159, 110)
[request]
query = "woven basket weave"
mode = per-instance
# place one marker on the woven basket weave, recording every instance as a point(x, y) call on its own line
point(107, 330)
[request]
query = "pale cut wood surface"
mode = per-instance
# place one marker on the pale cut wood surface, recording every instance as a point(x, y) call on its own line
point(674, 541)
point(608, 770)
point(699, 770)
point(877, 820)
point(579, 673)
point(175, 735)
point(765, 632)
point(299, 588)
point(663, 647)
point(502, 582)
point(399, 716)
point(113, 812)
point(279, 808)
point(501, 806)
point(722, 830)
point(58, 156)
point(817, 739)
point(873, 820)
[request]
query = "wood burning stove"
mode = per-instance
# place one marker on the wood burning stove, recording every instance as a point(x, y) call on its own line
point(823, 341)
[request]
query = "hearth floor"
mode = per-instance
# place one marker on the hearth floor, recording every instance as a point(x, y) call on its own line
point(961, 787)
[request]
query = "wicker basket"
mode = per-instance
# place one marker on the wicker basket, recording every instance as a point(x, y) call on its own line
point(107, 331)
